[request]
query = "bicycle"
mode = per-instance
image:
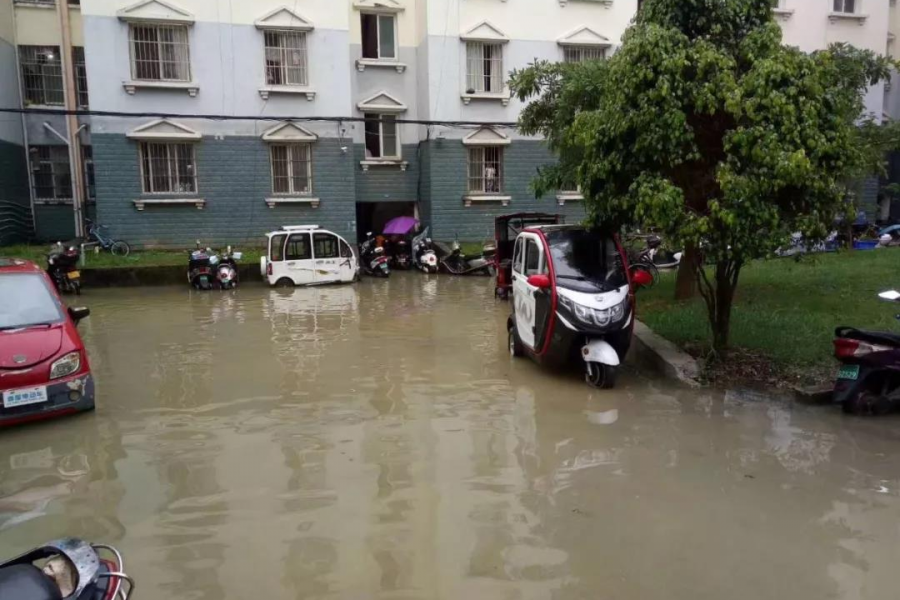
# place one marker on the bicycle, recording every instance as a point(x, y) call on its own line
point(115, 247)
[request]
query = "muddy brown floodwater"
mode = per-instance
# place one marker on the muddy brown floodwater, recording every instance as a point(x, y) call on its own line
point(376, 441)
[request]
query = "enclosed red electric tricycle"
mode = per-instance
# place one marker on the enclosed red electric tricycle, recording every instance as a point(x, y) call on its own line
point(506, 229)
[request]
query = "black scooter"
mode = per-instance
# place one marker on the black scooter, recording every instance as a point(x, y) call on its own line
point(868, 382)
point(72, 569)
point(62, 266)
point(200, 269)
point(456, 263)
point(372, 259)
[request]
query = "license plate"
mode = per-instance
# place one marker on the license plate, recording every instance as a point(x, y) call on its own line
point(15, 398)
point(849, 372)
point(74, 274)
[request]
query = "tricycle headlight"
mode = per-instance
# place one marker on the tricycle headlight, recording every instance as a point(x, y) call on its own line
point(68, 364)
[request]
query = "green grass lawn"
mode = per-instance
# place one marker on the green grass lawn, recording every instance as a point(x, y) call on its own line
point(785, 310)
point(105, 260)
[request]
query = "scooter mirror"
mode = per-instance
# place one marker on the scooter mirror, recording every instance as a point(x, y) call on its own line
point(641, 278)
point(540, 281)
point(890, 295)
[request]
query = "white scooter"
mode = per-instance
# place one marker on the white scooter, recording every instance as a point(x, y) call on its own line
point(423, 254)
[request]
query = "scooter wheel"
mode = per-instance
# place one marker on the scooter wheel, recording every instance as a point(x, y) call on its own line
point(600, 376)
point(76, 287)
point(867, 403)
point(515, 346)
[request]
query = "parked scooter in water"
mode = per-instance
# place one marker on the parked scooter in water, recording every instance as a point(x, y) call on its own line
point(458, 264)
point(70, 568)
point(200, 268)
point(372, 258)
point(226, 269)
point(62, 266)
point(868, 382)
point(423, 254)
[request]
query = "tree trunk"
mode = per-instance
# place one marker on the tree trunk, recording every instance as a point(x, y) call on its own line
point(718, 294)
point(686, 280)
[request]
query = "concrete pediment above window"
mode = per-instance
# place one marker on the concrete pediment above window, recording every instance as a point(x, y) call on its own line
point(289, 132)
point(155, 11)
point(382, 102)
point(164, 130)
point(379, 6)
point(284, 18)
point(484, 32)
point(486, 136)
point(584, 36)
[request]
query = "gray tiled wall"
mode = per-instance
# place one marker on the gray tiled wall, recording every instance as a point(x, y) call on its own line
point(15, 203)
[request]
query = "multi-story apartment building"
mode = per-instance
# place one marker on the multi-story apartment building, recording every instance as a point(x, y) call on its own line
point(323, 87)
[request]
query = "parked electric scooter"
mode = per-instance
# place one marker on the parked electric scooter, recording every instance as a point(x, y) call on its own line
point(401, 257)
point(200, 268)
point(372, 258)
point(423, 254)
point(226, 269)
point(71, 569)
point(456, 263)
point(868, 382)
point(62, 266)
point(573, 299)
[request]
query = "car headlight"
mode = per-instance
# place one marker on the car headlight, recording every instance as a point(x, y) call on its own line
point(593, 316)
point(68, 364)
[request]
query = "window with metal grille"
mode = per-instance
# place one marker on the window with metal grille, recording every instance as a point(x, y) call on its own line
point(379, 38)
point(484, 67)
point(41, 75)
point(160, 52)
point(168, 168)
point(845, 6)
point(577, 54)
point(51, 175)
point(81, 86)
point(486, 170)
point(381, 136)
point(286, 58)
point(291, 168)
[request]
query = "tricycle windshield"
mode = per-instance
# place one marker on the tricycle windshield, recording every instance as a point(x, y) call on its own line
point(586, 261)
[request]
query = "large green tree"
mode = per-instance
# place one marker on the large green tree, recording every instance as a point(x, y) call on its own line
point(707, 127)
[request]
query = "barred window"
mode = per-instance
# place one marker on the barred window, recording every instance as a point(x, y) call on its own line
point(578, 54)
point(168, 168)
point(286, 58)
point(51, 174)
point(42, 75)
point(381, 136)
point(484, 67)
point(486, 170)
point(845, 6)
point(81, 86)
point(160, 52)
point(291, 168)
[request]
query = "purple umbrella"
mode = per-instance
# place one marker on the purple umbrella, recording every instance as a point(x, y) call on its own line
point(400, 225)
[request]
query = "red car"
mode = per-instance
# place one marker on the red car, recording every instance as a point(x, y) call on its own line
point(44, 370)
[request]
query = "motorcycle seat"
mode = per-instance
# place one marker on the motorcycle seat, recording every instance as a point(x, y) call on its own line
point(873, 337)
point(27, 582)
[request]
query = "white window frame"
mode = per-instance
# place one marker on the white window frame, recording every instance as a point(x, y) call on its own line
point(843, 7)
point(381, 117)
point(470, 164)
point(284, 68)
point(585, 53)
point(290, 147)
point(158, 27)
point(479, 47)
point(378, 19)
point(173, 182)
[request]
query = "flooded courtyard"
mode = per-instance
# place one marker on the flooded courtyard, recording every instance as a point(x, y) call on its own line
point(377, 441)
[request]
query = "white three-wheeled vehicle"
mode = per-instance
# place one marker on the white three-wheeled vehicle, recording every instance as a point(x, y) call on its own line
point(573, 299)
point(307, 255)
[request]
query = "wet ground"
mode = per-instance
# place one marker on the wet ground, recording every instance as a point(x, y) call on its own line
point(376, 441)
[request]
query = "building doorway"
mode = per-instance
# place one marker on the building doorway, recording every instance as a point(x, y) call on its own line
point(372, 216)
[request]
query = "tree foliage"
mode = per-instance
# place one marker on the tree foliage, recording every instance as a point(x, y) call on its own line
point(707, 127)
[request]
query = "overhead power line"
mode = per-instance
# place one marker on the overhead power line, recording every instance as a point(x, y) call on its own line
point(161, 115)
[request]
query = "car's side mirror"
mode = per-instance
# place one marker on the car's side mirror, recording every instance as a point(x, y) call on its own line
point(641, 278)
point(890, 295)
point(78, 313)
point(540, 281)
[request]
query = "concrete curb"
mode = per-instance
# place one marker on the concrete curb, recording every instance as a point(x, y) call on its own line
point(168, 275)
point(664, 356)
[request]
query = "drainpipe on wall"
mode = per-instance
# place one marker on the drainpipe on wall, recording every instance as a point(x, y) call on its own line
point(72, 130)
point(25, 140)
